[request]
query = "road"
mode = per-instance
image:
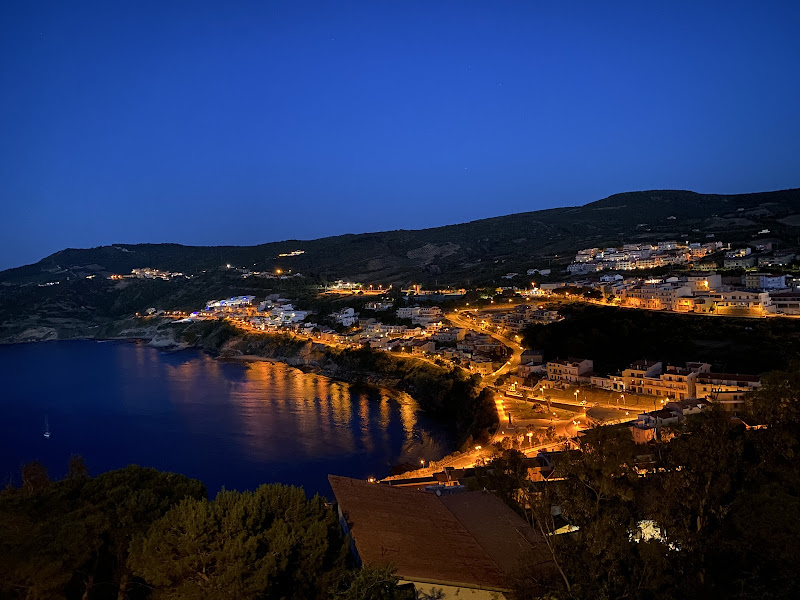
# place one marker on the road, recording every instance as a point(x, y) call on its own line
point(510, 365)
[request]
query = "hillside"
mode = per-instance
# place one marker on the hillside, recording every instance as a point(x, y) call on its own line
point(473, 252)
point(470, 254)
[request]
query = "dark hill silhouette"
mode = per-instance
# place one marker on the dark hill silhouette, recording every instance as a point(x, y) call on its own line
point(478, 250)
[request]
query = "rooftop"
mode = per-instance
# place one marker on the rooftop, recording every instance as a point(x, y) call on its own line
point(644, 364)
point(469, 539)
point(570, 362)
point(727, 377)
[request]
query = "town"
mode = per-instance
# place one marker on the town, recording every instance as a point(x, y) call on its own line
point(487, 342)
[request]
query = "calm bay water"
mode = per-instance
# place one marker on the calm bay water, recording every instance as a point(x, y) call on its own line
point(228, 424)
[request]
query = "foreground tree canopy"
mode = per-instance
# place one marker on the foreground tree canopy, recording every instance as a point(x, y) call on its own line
point(140, 533)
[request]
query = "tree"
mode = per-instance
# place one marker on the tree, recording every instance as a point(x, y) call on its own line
point(272, 542)
point(597, 496)
point(72, 536)
point(777, 403)
point(34, 477)
point(373, 583)
point(77, 468)
point(505, 475)
point(124, 503)
point(44, 542)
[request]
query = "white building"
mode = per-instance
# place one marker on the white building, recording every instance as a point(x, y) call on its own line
point(764, 281)
point(420, 314)
point(346, 317)
point(378, 306)
point(572, 370)
point(450, 334)
point(234, 302)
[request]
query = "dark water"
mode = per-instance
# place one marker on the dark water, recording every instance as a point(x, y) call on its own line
point(228, 424)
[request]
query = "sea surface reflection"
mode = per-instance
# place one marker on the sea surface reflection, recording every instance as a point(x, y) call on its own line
point(227, 423)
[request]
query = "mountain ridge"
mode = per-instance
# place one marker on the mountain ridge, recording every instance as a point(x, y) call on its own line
point(480, 248)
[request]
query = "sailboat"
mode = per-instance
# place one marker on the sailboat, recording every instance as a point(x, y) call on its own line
point(46, 427)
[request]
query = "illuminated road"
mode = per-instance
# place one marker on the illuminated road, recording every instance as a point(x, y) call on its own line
point(510, 366)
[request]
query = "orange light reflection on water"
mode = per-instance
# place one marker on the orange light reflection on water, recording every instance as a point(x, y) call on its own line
point(273, 402)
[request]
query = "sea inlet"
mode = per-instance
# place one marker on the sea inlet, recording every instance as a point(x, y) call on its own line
point(228, 423)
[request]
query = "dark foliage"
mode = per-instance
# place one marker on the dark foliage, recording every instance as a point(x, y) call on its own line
point(615, 337)
point(712, 513)
point(139, 533)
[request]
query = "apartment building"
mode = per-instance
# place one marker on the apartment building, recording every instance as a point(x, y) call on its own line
point(786, 303)
point(764, 281)
point(740, 262)
point(420, 314)
point(650, 377)
point(572, 370)
point(778, 259)
point(726, 388)
point(656, 296)
point(743, 302)
point(482, 366)
point(450, 334)
point(705, 282)
point(346, 317)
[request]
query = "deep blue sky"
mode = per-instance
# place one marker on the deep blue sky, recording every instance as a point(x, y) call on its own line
point(240, 123)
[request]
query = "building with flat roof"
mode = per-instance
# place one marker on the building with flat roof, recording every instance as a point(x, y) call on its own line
point(786, 303)
point(572, 370)
point(764, 281)
point(729, 389)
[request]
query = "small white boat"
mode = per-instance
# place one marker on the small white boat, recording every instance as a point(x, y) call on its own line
point(46, 428)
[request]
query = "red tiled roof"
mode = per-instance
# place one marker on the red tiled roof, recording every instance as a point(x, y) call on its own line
point(469, 539)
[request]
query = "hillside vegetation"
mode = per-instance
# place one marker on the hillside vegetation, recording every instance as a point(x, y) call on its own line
point(615, 337)
point(467, 253)
point(138, 533)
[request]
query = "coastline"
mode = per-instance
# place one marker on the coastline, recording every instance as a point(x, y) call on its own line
point(453, 397)
point(249, 358)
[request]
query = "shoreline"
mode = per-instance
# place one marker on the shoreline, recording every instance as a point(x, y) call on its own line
point(444, 395)
point(250, 358)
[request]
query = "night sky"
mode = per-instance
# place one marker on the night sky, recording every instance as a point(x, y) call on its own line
point(241, 123)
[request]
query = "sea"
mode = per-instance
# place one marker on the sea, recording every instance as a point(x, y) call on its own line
point(230, 424)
